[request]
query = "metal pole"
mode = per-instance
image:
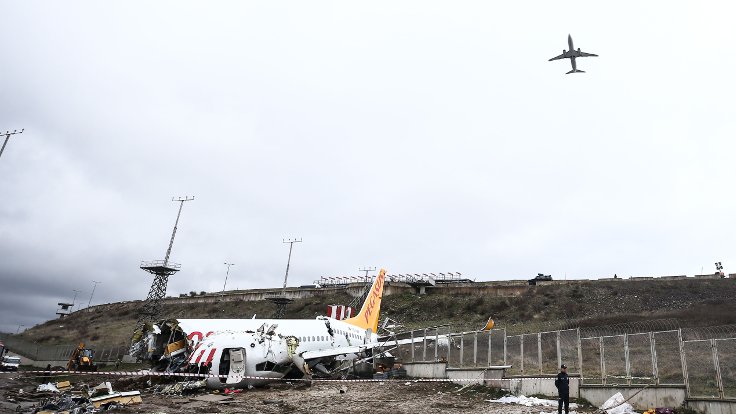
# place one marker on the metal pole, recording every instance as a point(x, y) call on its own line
point(424, 346)
point(412, 346)
point(288, 262)
point(475, 349)
point(176, 223)
point(559, 351)
point(539, 350)
point(653, 350)
point(227, 273)
point(489, 349)
point(449, 349)
point(580, 357)
point(436, 342)
point(74, 301)
point(521, 342)
point(719, 379)
point(7, 137)
point(603, 361)
point(504, 347)
point(93, 292)
point(683, 361)
point(627, 361)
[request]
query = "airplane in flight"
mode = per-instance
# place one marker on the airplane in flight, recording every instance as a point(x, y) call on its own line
point(252, 352)
point(572, 54)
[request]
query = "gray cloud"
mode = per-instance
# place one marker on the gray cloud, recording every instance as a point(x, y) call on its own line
point(421, 137)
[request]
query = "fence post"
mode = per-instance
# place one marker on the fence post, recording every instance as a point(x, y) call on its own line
point(504, 347)
point(436, 341)
point(683, 362)
point(580, 357)
point(719, 379)
point(412, 346)
point(559, 351)
point(539, 350)
point(462, 349)
point(627, 361)
point(475, 349)
point(521, 341)
point(653, 347)
point(449, 349)
point(489, 349)
point(603, 361)
point(424, 346)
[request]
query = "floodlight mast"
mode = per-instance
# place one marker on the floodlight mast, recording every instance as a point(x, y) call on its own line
point(161, 271)
point(7, 137)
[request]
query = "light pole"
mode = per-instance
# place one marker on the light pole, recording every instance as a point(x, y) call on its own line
point(93, 292)
point(227, 273)
point(288, 262)
point(7, 137)
point(18, 330)
point(74, 301)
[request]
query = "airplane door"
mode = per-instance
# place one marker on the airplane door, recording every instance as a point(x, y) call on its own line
point(237, 365)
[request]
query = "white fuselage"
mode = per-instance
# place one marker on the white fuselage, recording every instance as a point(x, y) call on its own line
point(263, 345)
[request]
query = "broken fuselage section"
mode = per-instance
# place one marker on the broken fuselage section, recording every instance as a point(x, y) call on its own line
point(251, 352)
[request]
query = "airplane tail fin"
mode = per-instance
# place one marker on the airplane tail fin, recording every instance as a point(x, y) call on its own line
point(367, 318)
point(575, 71)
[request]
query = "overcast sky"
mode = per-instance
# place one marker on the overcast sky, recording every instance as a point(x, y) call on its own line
point(416, 136)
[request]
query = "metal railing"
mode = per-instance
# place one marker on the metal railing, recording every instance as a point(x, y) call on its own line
point(701, 360)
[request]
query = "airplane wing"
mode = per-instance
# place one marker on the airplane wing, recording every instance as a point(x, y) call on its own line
point(583, 54)
point(331, 352)
point(562, 56)
point(344, 350)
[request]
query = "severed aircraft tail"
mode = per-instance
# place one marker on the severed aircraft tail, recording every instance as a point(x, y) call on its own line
point(367, 318)
point(575, 71)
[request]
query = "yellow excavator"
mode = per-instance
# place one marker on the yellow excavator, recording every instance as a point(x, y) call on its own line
point(82, 359)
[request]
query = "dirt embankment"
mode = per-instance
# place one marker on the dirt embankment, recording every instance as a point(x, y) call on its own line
point(693, 302)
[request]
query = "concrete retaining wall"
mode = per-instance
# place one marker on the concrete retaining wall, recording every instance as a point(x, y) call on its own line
point(713, 407)
point(426, 369)
point(481, 376)
point(661, 396)
point(544, 385)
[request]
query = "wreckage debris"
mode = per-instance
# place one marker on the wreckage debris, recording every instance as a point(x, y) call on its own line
point(183, 387)
point(63, 397)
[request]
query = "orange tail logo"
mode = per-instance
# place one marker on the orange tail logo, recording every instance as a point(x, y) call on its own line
point(367, 318)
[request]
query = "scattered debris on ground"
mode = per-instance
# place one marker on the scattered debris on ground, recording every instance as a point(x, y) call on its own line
point(88, 394)
point(617, 405)
point(530, 401)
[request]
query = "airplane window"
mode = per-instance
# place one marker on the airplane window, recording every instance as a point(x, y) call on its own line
point(313, 339)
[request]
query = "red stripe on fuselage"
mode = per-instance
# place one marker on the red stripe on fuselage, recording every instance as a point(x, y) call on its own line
point(211, 355)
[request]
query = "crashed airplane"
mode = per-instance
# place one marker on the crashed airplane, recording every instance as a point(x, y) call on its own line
point(249, 352)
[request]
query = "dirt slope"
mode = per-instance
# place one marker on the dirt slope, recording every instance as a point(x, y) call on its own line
point(693, 302)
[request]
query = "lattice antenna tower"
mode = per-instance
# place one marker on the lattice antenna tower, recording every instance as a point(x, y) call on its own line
point(161, 269)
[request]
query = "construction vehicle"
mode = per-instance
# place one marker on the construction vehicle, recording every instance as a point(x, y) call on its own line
point(82, 359)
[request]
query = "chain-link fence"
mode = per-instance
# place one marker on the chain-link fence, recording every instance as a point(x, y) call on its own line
point(704, 361)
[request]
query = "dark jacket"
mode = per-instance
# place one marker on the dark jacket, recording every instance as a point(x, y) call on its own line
point(562, 383)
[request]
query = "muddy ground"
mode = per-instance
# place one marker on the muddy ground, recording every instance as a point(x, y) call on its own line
point(400, 396)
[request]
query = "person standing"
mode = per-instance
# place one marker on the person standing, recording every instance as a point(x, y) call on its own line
point(563, 390)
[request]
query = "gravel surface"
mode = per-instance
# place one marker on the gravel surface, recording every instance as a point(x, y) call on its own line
point(404, 396)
